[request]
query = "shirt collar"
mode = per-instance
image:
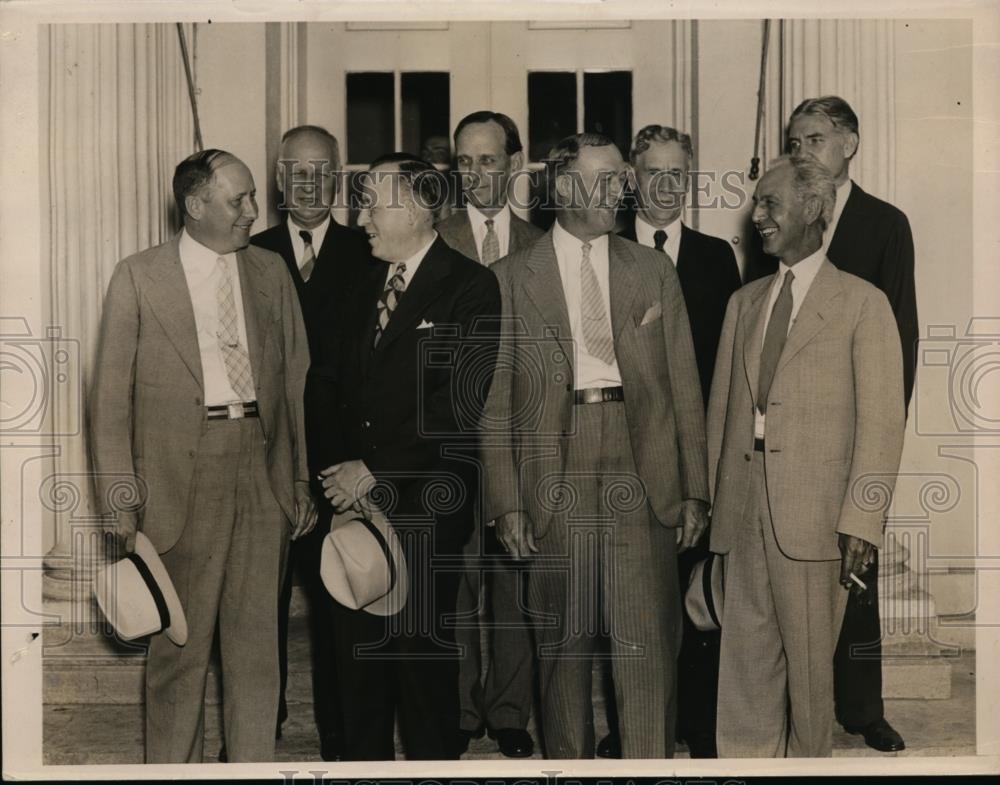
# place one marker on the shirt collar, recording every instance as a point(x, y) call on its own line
point(318, 232)
point(645, 230)
point(805, 270)
point(195, 256)
point(501, 221)
point(567, 244)
point(413, 262)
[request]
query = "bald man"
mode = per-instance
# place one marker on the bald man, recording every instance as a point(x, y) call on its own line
point(197, 397)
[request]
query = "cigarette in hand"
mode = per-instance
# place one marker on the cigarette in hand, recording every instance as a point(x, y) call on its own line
point(858, 581)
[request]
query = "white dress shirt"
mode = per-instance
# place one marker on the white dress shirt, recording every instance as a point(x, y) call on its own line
point(299, 245)
point(843, 191)
point(501, 225)
point(590, 371)
point(411, 264)
point(805, 273)
point(644, 236)
point(201, 270)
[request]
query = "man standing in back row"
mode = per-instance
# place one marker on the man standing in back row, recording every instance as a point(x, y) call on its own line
point(488, 152)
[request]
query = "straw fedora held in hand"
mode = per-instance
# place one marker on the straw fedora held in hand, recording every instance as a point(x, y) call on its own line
point(137, 597)
point(704, 596)
point(362, 564)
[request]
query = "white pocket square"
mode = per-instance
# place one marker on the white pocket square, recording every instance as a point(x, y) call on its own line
point(654, 312)
point(425, 325)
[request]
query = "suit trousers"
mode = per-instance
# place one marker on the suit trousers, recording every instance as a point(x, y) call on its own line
point(502, 697)
point(857, 663)
point(408, 661)
point(227, 568)
point(606, 568)
point(304, 560)
point(780, 625)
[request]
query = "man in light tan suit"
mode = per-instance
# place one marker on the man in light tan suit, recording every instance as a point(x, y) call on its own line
point(594, 454)
point(197, 394)
point(805, 434)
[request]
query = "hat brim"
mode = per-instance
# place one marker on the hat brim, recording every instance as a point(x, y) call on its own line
point(335, 579)
point(177, 631)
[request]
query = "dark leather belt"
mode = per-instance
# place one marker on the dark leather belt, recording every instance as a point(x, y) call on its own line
point(599, 395)
point(758, 445)
point(233, 411)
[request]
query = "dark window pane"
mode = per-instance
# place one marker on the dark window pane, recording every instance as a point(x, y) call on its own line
point(551, 110)
point(426, 98)
point(607, 106)
point(370, 116)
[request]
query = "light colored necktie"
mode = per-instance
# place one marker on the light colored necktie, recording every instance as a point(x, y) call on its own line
point(308, 255)
point(233, 355)
point(596, 328)
point(389, 299)
point(774, 340)
point(491, 244)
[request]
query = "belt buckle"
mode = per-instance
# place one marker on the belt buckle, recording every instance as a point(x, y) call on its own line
point(236, 411)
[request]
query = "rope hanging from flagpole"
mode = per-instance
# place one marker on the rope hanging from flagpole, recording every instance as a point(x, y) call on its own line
point(191, 91)
point(755, 161)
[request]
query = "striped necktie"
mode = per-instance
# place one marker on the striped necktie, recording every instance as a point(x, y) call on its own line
point(233, 354)
point(596, 329)
point(491, 244)
point(389, 299)
point(308, 255)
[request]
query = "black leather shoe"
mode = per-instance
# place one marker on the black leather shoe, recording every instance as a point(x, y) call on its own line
point(701, 745)
point(880, 735)
point(465, 736)
point(223, 755)
point(610, 746)
point(513, 742)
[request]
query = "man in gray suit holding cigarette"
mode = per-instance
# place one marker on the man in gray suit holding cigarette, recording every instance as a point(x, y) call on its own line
point(197, 394)
point(594, 454)
point(805, 431)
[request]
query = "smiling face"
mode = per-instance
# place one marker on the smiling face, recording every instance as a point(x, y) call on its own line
point(221, 214)
point(590, 190)
point(815, 136)
point(481, 155)
point(661, 177)
point(787, 224)
point(306, 176)
point(396, 226)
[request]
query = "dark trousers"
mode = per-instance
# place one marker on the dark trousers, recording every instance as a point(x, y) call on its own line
point(406, 662)
point(304, 559)
point(857, 662)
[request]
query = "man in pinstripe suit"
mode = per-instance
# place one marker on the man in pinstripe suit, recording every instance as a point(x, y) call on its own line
point(594, 454)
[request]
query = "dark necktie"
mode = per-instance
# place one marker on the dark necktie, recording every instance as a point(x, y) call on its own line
point(659, 239)
point(389, 299)
point(308, 255)
point(774, 340)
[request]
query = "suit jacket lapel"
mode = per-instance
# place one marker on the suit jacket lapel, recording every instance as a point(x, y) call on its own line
point(624, 283)
point(286, 251)
point(813, 313)
point(256, 306)
point(686, 266)
point(465, 239)
point(753, 331)
point(520, 234)
point(545, 290)
point(846, 225)
point(422, 290)
point(170, 300)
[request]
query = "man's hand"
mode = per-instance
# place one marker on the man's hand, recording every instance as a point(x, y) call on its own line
point(694, 521)
point(346, 483)
point(305, 511)
point(123, 530)
point(514, 532)
point(856, 555)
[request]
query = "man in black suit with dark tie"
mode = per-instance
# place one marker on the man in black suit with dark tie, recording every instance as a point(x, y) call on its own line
point(324, 259)
point(661, 160)
point(404, 392)
point(871, 239)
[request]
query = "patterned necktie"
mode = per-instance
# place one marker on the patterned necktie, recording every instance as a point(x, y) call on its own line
point(389, 299)
point(308, 255)
point(233, 355)
point(774, 340)
point(491, 244)
point(596, 329)
point(660, 239)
